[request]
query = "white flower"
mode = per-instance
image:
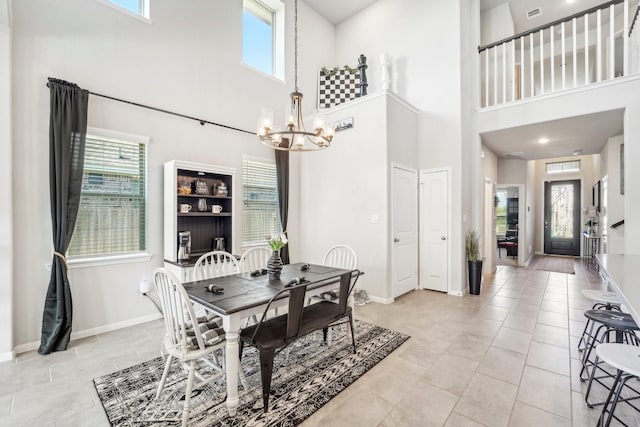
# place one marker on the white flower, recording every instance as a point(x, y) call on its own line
point(283, 238)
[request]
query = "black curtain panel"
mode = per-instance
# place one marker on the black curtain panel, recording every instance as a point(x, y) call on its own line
point(67, 136)
point(282, 170)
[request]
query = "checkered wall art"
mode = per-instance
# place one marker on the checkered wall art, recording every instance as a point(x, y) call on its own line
point(336, 87)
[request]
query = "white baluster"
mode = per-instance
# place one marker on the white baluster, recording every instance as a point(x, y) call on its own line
point(486, 77)
point(541, 62)
point(504, 73)
point(612, 43)
point(553, 61)
point(531, 65)
point(513, 70)
point(598, 45)
point(521, 67)
point(563, 63)
point(625, 39)
point(495, 75)
point(586, 48)
point(575, 52)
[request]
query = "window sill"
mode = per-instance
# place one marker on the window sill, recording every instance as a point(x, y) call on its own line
point(107, 260)
point(125, 11)
point(262, 73)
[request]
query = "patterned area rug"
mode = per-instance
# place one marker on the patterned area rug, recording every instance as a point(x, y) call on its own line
point(303, 381)
point(558, 264)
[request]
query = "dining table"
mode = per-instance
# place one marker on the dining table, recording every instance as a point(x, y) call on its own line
point(247, 294)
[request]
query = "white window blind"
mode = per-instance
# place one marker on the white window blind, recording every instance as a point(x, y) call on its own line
point(261, 213)
point(112, 214)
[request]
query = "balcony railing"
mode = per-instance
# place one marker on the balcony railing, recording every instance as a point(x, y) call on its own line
point(598, 44)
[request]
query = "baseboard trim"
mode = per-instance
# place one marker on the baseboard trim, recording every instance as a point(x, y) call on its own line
point(380, 300)
point(7, 356)
point(456, 293)
point(22, 348)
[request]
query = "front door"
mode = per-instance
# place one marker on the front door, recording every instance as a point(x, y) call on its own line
point(434, 225)
point(405, 230)
point(562, 217)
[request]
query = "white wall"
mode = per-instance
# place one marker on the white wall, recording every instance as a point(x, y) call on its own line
point(530, 212)
point(188, 60)
point(610, 167)
point(512, 171)
point(489, 171)
point(6, 166)
point(496, 24)
point(427, 72)
point(341, 188)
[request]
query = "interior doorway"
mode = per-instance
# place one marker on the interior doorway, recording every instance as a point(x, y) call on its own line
point(507, 224)
point(562, 217)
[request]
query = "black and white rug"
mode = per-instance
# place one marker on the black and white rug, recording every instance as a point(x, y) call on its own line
point(311, 375)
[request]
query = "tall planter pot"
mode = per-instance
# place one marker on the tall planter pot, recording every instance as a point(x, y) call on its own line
point(475, 277)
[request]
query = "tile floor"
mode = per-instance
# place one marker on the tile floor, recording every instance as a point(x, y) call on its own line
point(506, 357)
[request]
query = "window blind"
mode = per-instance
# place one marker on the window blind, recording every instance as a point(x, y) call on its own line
point(261, 213)
point(112, 213)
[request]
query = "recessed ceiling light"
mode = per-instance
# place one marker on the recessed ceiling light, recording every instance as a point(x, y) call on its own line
point(543, 140)
point(577, 152)
point(571, 1)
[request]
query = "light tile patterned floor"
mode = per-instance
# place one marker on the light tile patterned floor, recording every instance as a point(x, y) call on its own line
point(506, 357)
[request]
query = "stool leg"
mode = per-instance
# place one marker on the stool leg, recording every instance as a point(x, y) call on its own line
point(617, 396)
point(593, 374)
point(606, 402)
point(584, 332)
point(589, 347)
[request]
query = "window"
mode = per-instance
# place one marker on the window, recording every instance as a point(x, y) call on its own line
point(261, 213)
point(135, 7)
point(563, 167)
point(501, 213)
point(112, 214)
point(263, 36)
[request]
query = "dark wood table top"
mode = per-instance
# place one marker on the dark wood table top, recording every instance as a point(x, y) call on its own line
point(242, 291)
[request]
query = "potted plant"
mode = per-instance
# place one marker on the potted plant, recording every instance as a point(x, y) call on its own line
point(474, 263)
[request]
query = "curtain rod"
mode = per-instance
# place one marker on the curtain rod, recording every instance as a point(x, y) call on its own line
point(184, 116)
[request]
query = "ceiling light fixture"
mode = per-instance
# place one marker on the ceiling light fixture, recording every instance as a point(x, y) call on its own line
point(577, 152)
point(294, 137)
point(543, 140)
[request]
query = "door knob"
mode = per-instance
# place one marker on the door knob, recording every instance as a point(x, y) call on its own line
point(396, 240)
point(443, 237)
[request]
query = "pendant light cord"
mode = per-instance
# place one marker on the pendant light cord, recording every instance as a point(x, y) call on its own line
point(295, 44)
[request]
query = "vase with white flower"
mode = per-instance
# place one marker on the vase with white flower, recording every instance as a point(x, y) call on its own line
point(274, 264)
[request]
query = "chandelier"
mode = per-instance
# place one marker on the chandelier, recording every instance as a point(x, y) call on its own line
point(294, 136)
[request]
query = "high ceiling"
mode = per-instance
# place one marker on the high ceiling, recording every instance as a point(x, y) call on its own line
point(336, 11)
point(587, 133)
point(551, 10)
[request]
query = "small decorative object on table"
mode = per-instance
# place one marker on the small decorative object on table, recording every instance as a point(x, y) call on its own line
point(274, 264)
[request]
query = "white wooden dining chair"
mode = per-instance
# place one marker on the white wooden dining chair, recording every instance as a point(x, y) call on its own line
point(341, 256)
point(215, 264)
point(254, 259)
point(188, 338)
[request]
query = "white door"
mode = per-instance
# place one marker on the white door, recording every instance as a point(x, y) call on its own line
point(434, 220)
point(404, 230)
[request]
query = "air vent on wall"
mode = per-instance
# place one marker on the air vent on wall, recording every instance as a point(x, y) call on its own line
point(534, 13)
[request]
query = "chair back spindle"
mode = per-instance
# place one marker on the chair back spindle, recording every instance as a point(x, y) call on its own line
point(254, 259)
point(215, 264)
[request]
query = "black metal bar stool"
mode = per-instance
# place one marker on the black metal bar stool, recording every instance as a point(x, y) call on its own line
point(610, 322)
point(602, 300)
point(626, 360)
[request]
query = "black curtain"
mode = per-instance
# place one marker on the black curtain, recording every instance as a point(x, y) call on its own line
point(67, 136)
point(282, 170)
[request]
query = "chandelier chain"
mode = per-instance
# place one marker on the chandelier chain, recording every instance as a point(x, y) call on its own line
point(295, 44)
